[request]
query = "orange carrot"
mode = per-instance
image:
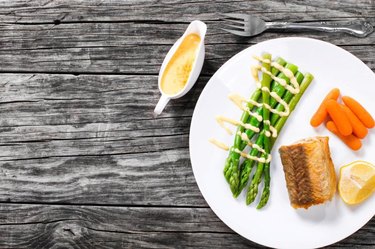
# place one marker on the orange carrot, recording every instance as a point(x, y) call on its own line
point(359, 111)
point(358, 128)
point(351, 141)
point(339, 117)
point(321, 114)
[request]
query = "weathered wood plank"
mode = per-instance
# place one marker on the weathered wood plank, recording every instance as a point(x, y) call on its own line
point(45, 99)
point(93, 136)
point(94, 35)
point(154, 178)
point(177, 10)
point(70, 55)
point(46, 226)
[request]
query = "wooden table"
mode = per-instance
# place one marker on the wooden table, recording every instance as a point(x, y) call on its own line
point(84, 164)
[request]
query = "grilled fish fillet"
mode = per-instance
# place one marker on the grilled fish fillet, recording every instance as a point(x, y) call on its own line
point(309, 172)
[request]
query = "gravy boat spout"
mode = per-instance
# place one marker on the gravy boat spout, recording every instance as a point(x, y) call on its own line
point(198, 28)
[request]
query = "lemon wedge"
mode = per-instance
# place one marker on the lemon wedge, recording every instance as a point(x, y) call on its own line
point(357, 182)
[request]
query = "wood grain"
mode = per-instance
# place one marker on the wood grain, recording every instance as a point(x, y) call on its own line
point(155, 178)
point(132, 37)
point(83, 162)
point(45, 99)
point(55, 226)
point(73, 139)
point(123, 48)
point(47, 11)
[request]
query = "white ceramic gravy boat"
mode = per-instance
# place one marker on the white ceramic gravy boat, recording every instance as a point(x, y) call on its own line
point(197, 27)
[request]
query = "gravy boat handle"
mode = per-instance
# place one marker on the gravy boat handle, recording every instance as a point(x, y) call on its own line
point(163, 101)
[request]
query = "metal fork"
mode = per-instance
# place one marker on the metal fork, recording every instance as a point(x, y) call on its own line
point(248, 25)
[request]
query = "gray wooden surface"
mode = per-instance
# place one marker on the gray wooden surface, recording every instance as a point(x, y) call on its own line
point(83, 163)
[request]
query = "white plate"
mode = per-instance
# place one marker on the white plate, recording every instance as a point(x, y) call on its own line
point(278, 224)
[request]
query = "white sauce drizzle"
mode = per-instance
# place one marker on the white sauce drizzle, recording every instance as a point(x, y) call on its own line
point(272, 128)
point(254, 72)
point(258, 159)
point(239, 100)
point(245, 138)
point(295, 89)
point(218, 144)
point(222, 120)
point(280, 81)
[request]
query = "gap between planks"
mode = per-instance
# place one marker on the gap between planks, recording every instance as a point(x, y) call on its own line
point(3, 203)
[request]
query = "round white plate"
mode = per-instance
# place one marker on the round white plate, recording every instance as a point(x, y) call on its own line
point(278, 224)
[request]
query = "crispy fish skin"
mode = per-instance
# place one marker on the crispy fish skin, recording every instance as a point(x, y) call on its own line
point(309, 172)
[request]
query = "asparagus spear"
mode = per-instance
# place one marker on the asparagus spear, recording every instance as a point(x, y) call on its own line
point(266, 112)
point(253, 188)
point(292, 105)
point(267, 178)
point(266, 189)
point(287, 97)
point(247, 165)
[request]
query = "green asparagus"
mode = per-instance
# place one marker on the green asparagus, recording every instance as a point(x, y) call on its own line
point(292, 105)
point(231, 170)
point(267, 178)
point(246, 167)
point(266, 117)
point(253, 188)
point(288, 96)
point(279, 90)
point(238, 177)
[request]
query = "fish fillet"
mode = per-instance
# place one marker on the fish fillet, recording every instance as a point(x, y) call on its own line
point(309, 172)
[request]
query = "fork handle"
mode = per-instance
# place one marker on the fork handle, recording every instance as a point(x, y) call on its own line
point(359, 28)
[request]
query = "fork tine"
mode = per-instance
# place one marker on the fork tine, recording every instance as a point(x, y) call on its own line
point(235, 26)
point(236, 32)
point(235, 16)
point(235, 21)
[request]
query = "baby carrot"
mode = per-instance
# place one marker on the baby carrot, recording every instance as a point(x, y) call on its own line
point(359, 111)
point(358, 128)
point(352, 141)
point(339, 117)
point(321, 113)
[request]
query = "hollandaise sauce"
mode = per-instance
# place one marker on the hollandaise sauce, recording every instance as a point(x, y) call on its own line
point(178, 69)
